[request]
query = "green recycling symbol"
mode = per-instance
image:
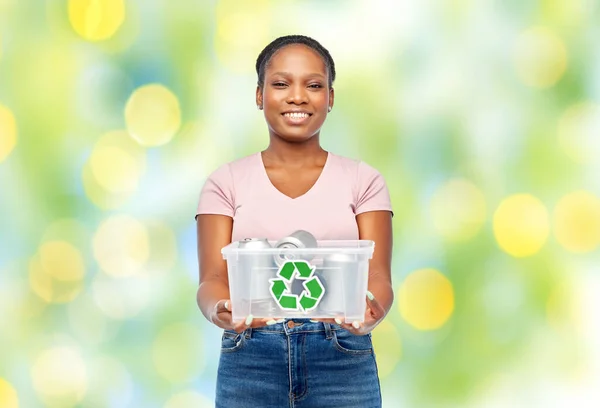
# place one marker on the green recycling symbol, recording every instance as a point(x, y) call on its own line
point(313, 288)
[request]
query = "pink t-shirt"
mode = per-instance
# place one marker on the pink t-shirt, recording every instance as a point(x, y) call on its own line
point(242, 190)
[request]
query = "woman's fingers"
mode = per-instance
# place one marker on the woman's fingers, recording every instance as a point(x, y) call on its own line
point(377, 311)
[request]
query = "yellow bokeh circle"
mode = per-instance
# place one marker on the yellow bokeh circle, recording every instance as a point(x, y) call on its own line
point(458, 210)
point(120, 245)
point(521, 225)
point(62, 261)
point(114, 169)
point(426, 299)
point(96, 20)
point(540, 57)
point(177, 352)
point(8, 395)
point(56, 273)
point(579, 132)
point(8, 132)
point(152, 115)
point(388, 347)
point(576, 222)
point(59, 376)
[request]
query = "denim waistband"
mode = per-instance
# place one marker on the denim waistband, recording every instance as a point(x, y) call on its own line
point(291, 326)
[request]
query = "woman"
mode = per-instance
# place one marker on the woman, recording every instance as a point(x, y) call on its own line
point(294, 184)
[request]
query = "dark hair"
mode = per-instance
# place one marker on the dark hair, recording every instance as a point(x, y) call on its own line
point(265, 56)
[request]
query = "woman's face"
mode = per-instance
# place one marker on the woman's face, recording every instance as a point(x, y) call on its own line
point(295, 95)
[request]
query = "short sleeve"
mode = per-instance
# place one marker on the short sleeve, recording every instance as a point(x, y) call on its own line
point(373, 193)
point(217, 195)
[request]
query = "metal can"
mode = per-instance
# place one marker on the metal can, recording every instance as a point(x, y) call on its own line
point(298, 239)
point(257, 267)
point(254, 243)
point(338, 275)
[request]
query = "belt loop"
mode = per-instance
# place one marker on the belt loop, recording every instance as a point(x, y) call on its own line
point(328, 331)
point(248, 333)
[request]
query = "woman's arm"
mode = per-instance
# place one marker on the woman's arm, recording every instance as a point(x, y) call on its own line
point(377, 226)
point(213, 233)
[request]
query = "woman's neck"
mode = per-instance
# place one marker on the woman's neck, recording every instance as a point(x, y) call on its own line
point(281, 152)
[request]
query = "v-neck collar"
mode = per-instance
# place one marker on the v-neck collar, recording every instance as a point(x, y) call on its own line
point(285, 196)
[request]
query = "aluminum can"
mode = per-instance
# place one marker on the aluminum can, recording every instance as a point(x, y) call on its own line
point(338, 276)
point(258, 267)
point(254, 243)
point(298, 239)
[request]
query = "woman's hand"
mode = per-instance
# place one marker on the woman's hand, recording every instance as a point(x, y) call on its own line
point(373, 316)
point(221, 316)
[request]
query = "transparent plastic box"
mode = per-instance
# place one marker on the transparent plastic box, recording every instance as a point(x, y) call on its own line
point(328, 281)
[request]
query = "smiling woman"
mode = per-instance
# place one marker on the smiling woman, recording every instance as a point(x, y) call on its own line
point(294, 184)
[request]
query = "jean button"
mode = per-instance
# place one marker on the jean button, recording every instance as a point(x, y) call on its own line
point(291, 324)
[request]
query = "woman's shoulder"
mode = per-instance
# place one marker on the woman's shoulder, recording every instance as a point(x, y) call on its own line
point(234, 168)
point(354, 166)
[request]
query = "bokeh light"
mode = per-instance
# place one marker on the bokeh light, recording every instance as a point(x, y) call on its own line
point(8, 395)
point(540, 57)
point(387, 346)
point(8, 132)
point(577, 222)
point(123, 297)
point(62, 261)
point(113, 113)
point(152, 115)
point(114, 169)
point(426, 299)
point(188, 399)
point(59, 376)
point(56, 273)
point(121, 245)
point(242, 30)
point(521, 225)
point(458, 210)
point(177, 352)
point(578, 132)
point(96, 20)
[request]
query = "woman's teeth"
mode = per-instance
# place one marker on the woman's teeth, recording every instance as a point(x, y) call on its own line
point(296, 115)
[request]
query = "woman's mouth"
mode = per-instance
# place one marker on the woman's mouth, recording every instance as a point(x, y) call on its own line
point(296, 118)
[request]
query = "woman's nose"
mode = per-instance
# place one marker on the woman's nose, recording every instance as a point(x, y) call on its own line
point(297, 95)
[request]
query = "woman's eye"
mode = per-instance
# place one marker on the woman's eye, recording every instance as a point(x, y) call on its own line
point(279, 84)
point(315, 86)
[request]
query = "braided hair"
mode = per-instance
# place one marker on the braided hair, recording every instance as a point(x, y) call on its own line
point(265, 56)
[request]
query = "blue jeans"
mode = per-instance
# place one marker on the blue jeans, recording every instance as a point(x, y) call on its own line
point(297, 364)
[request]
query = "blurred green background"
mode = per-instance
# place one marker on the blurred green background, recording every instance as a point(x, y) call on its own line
point(483, 116)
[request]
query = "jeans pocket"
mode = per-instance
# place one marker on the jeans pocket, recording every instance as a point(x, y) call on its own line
point(352, 344)
point(231, 341)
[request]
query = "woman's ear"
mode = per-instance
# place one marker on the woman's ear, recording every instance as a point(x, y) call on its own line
point(259, 98)
point(331, 97)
